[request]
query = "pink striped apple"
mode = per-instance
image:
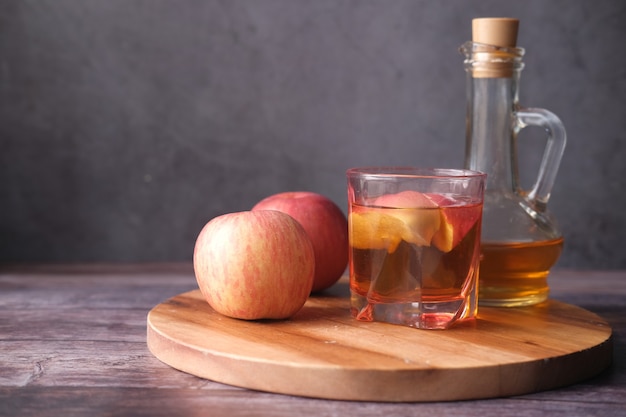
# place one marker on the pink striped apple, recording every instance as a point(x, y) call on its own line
point(254, 265)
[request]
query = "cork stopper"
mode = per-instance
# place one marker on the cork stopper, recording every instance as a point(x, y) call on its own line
point(497, 31)
point(494, 52)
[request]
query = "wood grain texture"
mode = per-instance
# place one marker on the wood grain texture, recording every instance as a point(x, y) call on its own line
point(323, 352)
point(73, 343)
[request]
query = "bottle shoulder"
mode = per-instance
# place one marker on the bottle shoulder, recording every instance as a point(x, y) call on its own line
point(511, 217)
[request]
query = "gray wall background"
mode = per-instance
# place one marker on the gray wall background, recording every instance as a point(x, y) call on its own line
point(125, 125)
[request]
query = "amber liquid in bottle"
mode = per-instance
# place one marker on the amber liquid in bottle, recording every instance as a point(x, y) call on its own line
point(517, 273)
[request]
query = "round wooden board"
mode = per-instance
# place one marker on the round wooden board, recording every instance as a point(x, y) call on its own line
point(323, 352)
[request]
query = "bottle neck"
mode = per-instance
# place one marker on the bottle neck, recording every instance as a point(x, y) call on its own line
point(490, 130)
point(492, 98)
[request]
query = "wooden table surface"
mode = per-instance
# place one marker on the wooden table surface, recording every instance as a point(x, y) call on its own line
point(73, 342)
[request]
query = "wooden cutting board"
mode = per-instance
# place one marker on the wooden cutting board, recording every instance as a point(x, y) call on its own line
point(323, 352)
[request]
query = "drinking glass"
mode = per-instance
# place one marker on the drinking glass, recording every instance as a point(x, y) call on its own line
point(414, 237)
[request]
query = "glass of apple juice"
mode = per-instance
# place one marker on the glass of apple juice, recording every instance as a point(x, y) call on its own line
point(414, 237)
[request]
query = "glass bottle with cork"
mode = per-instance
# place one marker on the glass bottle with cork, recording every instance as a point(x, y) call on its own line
point(520, 239)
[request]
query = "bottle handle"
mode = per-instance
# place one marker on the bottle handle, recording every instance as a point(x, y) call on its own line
point(539, 194)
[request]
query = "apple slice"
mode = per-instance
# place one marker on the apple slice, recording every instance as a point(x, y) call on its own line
point(395, 219)
point(405, 199)
point(422, 224)
point(455, 222)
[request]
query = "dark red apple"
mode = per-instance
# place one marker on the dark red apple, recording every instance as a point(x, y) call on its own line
point(326, 226)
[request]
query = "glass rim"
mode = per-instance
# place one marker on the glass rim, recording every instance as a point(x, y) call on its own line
point(413, 172)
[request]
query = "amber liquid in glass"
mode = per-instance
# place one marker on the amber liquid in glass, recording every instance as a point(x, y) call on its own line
point(416, 285)
point(516, 274)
